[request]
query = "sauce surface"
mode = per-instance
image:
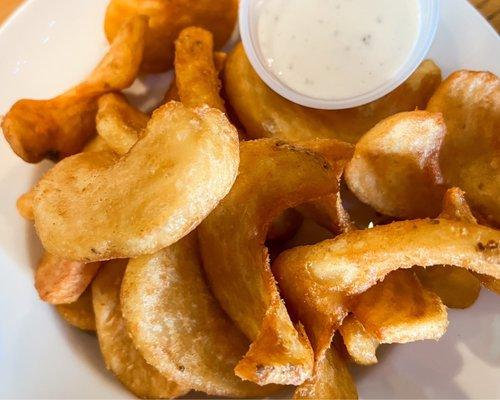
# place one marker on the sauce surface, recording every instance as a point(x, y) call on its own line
point(336, 49)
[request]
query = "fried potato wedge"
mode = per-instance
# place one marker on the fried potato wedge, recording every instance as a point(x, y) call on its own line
point(400, 310)
point(319, 281)
point(264, 113)
point(60, 127)
point(169, 184)
point(118, 351)
point(80, 313)
point(179, 327)
point(395, 167)
point(470, 156)
point(96, 144)
point(273, 176)
point(24, 205)
point(457, 287)
point(332, 379)
point(328, 211)
point(360, 344)
point(60, 281)
point(119, 123)
point(196, 77)
point(167, 19)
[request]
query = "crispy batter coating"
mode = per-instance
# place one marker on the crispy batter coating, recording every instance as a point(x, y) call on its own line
point(395, 167)
point(60, 127)
point(119, 353)
point(178, 325)
point(167, 19)
point(196, 77)
point(80, 313)
point(60, 281)
point(319, 281)
point(236, 259)
point(470, 157)
point(119, 123)
point(147, 199)
point(266, 114)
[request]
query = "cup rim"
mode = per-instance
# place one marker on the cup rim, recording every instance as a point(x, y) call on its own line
point(428, 27)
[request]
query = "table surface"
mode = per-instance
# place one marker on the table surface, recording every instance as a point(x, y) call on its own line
point(489, 8)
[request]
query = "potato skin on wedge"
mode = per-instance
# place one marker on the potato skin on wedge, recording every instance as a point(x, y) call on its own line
point(273, 176)
point(146, 200)
point(118, 350)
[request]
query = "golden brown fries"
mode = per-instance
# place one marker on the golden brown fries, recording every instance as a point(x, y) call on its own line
point(177, 325)
point(457, 287)
point(80, 313)
point(360, 344)
point(24, 205)
point(395, 167)
point(119, 123)
point(60, 281)
point(147, 199)
point(470, 103)
point(167, 19)
point(400, 310)
point(265, 114)
point(118, 351)
point(332, 379)
point(96, 144)
point(196, 77)
point(60, 127)
point(328, 211)
point(273, 176)
point(319, 281)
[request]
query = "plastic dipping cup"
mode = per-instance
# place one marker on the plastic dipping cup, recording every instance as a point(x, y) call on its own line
point(248, 24)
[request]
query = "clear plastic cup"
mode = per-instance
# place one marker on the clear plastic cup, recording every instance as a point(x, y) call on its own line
point(248, 18)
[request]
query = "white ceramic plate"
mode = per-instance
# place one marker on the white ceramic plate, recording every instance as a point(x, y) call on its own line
point(46, 47)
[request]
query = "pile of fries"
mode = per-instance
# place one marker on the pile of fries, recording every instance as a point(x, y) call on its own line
point(213, 245)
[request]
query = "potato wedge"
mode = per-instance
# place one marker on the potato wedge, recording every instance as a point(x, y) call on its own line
point(265, 114)
point(328, 211)
point(196, 77)
point(177, 325)
point(96, 144)
point(119, 123)
point(318, 281)
point(470, 104)
point(395, 167)
point(168, 182)
point(167, 19)
point(457, 287)
point(118, 351)
point(273, 176)
point(60, 281)
point(80, 313)
point(332, 379)
point(400, 310)
point(360, 344)
point(60, 127)
point(24, 205)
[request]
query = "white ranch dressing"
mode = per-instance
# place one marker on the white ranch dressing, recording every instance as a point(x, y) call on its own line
point(336, 49)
